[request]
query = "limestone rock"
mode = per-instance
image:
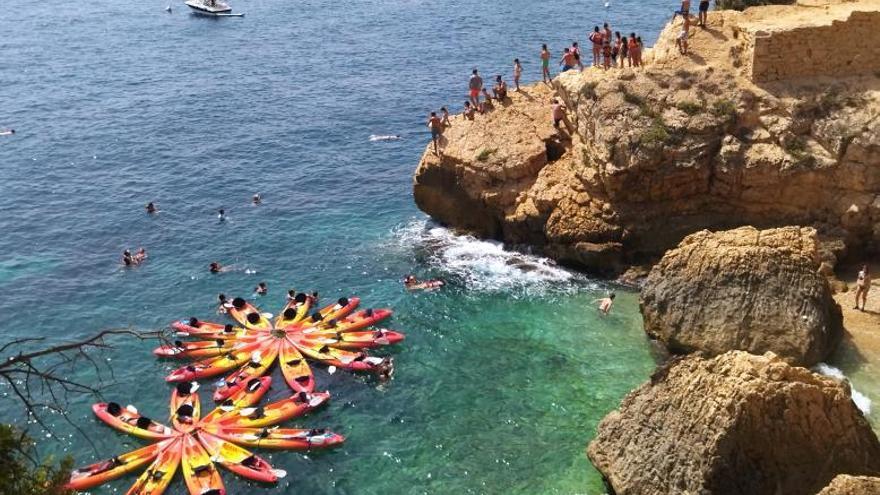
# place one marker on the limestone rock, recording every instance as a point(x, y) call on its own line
point(744, 289)
point(852, 485)
point(734, 424)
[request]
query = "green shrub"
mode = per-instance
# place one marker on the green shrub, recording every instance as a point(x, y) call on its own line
point(21, 474)
point(656, 134)
point(484, 154)
point(724, 108)
point(690, 107)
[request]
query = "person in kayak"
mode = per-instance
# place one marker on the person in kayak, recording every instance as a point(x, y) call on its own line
point(605, 303)
point(312, 298)
point(261, 289)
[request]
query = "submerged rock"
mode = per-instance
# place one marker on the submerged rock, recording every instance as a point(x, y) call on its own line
point(845, 484)
point(744, 289)
point(734, 424)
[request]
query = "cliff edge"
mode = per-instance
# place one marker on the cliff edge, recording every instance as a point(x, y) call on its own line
point(757, 125)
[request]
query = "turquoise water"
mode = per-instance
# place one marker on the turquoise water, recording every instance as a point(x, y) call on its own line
point(503, 376)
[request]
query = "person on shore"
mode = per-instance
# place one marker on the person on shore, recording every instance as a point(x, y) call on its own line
point(863, 285)
point(436, 127)
point(545, 64)
point(641, 49)
point(684, 11)
point(596, 39)
point(615, 49)
point(221, 215)
point(682, 39)
point(261, 289)
point(703, 12)
point(469, 110)
point(567, 61)
point(151, 208)
point(576, 51)
point(606, 54)
point(606, 33)
point(444, 118)
point(517, 73)
point(605, 304)
point(557, 112)
point(500, 88)
point(624, 52)
point(486, 104)
point(257, 199)
point(215, 267)
point(475, 86)
point(633, 50)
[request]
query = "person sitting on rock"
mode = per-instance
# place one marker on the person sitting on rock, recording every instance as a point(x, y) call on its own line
point(469, 110)
point(500, 89)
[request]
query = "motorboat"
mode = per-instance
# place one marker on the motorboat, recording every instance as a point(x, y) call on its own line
point(209, 7)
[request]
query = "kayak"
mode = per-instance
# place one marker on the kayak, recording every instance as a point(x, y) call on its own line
point(255, 417)
point(214, 366)
point(156, 478)
point(199, 472)
point(336, 311)
point(243, 312)
point(358, 340)
point(357, 321)
point(253, 368)
point(297, 372)
point(197, 349)
point(185, 406)
point(279, 438)
point(109, 469)
point(186, 329)
point(249, 394)
point(239, 460)
point(340, 358)
point(128, 420)
point(302, 310)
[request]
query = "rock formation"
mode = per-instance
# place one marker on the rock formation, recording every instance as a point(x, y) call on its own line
point(683, 144)
point(734, 424)
point(852, 485)
point(744, 289)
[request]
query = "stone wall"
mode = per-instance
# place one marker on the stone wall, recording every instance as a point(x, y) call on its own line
point(842, 48)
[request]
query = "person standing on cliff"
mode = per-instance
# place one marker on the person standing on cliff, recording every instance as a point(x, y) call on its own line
point(517, 73)
point(567, 61)
point(436, 126)
point(596, 38)
point(704, 12)
point(682, 39)
point(475, 85)
point(545, 64)
point(863, 285)
point(685, 10)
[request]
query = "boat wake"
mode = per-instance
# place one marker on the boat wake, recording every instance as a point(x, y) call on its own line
point(861, 401)
point(480, 265)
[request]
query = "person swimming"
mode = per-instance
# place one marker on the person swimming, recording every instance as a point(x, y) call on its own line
point(261, 289)
point(215, 267)
point(412, 283)
point(127, 259)
point(140, 256)
point(221, 215)
point(222, 304)
point(7, 132)
point(605, 303)
point(257, 199)
point(151, 208)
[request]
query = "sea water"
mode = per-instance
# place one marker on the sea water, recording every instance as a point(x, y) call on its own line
point(504, 374)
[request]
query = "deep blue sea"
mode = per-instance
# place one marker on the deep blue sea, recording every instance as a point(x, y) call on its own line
point(504, 374)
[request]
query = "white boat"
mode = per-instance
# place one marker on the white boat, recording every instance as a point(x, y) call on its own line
point(209, 7)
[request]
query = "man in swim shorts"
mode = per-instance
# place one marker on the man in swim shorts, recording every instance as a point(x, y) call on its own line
point(684, 11)
point(704, 12)
point(436, 126)
point(545, 64)
point(475, 85)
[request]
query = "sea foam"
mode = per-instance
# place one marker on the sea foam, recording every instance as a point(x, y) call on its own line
point(861, 401)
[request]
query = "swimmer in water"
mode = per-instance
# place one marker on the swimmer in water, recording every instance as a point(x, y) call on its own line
point(140, 256)
point(605, 303)
point(262, 289)
point(127, 259)
point(151, 208)
point(257, 199)
point(221, 215)
point(7, 132)
point(223, 304)
point(215, 267)
point(412, 283)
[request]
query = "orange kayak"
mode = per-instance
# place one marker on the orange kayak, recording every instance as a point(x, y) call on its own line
point(156, 478)
point(340, 358)
point(256, 417)
point(247, 395)
point(109, 469)
point(294, 312)
point(194, 327)
point(255, 367)
point(214, 366)
point(248, 315)
point(357, 321)
point(185, 406)
point(279, 438)
point(201, 476)
point(297, 372)
point(239, 460)
point(129, 420)
point(355, 340)
point(197, 349)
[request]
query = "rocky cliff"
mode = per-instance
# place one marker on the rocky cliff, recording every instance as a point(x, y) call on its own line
point(744, 289)
point(852, 485)
point(655, 153)
point(735, 424)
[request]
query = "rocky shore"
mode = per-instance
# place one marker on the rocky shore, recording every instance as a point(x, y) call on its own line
point(739, 179)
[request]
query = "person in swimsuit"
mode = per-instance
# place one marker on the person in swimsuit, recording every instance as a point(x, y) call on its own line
point(605, 304)
point(545, 64)
point(261, 289)
point(633, 50)
point(151, 208)
point(557, 111)
point(863, 285)
point(606, 33)
point(596, 38)
point(682, 39)
point(436, 127)
point(140, 256)
point(500, 89)
point(567, 61)
point(517, 72)
point(704, 12)
point(221, 215)
point(615, 49)
point(444, 118)
point(606, 54)
point(475, 86)
point(576, 51)
point(624, 52)
point(684, 11)
point(215, 267)
point(469, 110)
point(257, 199)
point(127, 260)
